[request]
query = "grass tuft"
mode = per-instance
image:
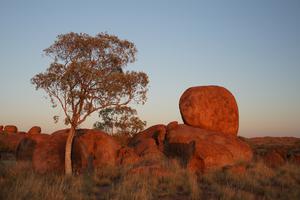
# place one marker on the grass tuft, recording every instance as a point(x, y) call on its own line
point(19, 181)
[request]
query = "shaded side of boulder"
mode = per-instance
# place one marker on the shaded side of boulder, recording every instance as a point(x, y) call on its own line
point(1, 129)
point(34, 130)
point(211, 108)
point(27, 145)
point(10, 129)
point(10, 142)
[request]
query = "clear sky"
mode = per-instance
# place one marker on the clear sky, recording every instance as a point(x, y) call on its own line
point(251, 47)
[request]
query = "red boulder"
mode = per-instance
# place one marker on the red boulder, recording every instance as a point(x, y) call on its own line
point(211, 108)
point(10, 142)
point(35, 130)
point(156, 133)
point(201, 150)
point(49, 156)
point(172, 125)
point(97, 149)
point(10, 129)
point(27, 145)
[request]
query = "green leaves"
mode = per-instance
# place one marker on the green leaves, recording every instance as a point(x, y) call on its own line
point(124, 119)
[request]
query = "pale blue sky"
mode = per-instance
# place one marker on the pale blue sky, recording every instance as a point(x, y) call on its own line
point(250, 47)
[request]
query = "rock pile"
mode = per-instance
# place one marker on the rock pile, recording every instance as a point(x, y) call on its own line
point(206, 141)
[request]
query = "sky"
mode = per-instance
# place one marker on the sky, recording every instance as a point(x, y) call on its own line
point(250, 47)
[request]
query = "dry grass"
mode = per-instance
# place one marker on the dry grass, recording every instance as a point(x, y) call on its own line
point(18, 181)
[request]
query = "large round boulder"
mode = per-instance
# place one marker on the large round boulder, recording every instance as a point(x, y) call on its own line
point(211, 108)
point(201, 150)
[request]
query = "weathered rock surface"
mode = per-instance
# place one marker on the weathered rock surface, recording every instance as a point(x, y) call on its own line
point(91, 149)
point(211, 108)
point(10, 129)
point(27, 145)
point(202, 150)
point(127, 156)
point(97, 148)
point(48, 156)
point(150, 142)
point(172, 125)
point(10, 142)
point(35, 130)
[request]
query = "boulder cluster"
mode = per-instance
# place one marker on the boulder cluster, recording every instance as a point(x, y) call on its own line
point(206, 141)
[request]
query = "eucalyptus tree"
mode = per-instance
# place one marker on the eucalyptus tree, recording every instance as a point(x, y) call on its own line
point(87, 74)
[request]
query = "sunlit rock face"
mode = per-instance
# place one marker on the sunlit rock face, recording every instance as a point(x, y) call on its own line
point(49, 155)
point(149, 141)
point(211, 108)
point(91, 149)
point(10, 129)
point(35, 130)
point(97, 148)
point(207, 141)
point(202, 150)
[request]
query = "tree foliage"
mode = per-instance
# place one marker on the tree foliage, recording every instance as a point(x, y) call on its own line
point(87, 75)
point(120, 120)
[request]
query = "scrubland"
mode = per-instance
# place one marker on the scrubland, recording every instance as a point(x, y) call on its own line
point(19, 181)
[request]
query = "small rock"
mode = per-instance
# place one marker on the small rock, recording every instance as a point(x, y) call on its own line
point(10, 129)
point(35, 130)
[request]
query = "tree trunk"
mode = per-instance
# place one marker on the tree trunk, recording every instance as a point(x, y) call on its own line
point(68, 152)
